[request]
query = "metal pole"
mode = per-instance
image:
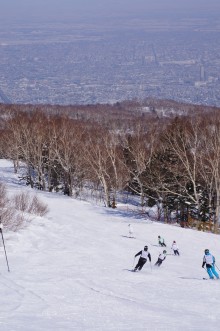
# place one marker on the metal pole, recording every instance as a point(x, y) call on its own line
point(217, 267)
point(133, 263)
point(205, 269)
point(4, 246)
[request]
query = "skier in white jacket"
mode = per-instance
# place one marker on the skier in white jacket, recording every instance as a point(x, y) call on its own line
point(144, 254)
point(175, 248)
point(131, 231)
point(209, 262)
point(161, 258)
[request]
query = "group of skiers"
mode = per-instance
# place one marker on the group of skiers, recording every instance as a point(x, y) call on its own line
point(208, 259)
point(145, 254)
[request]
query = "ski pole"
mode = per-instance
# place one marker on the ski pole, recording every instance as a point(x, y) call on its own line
point(150, 266)
point(1, 227)
point(205, 269)
point(133, 263)
point(217, 267)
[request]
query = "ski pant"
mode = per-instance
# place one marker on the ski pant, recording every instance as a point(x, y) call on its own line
point(212, 272)
point(141, 263)
point(159, 262)
point(176, 252)
point(162, 244)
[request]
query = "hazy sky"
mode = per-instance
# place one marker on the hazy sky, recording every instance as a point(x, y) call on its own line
point(49, 9)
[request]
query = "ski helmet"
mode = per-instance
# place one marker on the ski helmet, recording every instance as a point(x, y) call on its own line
point(206, 251)
point(174, 242)
point(164, 252)
point(158, 236)
point(145, 248)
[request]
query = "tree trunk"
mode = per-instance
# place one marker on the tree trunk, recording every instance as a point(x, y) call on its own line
point(106, 192)
point(217, 211)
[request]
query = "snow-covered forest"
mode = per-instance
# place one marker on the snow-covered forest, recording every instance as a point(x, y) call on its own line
point(166, 154)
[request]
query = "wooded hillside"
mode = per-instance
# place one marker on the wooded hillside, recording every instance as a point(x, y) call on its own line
point(168, 154)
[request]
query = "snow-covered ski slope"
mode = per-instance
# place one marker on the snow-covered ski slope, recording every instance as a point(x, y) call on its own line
point(69, 272)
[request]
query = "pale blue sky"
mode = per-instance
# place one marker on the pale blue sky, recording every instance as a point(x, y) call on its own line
point(43, 9)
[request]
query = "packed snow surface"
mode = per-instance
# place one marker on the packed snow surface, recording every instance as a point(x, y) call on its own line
point(70, 271)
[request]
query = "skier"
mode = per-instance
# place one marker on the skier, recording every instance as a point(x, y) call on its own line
point(144, 254)
point(175, 248)
point(161, 241)
point(161, 258)
point(209, 261)
point(131, 231)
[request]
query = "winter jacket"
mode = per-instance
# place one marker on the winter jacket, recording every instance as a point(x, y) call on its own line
point(161, 241)
point(209, 260)
point(130, 229)
point(144, 254)
point(162, 256)
point(174, 247)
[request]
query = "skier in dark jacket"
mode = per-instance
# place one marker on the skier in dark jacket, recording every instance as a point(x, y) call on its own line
point(144, 254)
point(161, 258)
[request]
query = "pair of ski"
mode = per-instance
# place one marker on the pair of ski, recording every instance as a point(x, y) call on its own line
point(189, 278)
point(129, 237)
point(203, 278)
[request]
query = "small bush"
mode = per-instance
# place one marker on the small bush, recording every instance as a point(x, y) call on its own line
point(20, 209)
point(30, 204)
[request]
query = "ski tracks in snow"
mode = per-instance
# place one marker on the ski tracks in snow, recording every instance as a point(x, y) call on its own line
point(22, 294)
point(106, 292)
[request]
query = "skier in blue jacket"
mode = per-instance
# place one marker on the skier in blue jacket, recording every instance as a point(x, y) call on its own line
point(209, 261)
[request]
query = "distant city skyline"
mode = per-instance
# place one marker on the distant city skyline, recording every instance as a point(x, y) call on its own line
point(26, 10)
point(106, 51)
